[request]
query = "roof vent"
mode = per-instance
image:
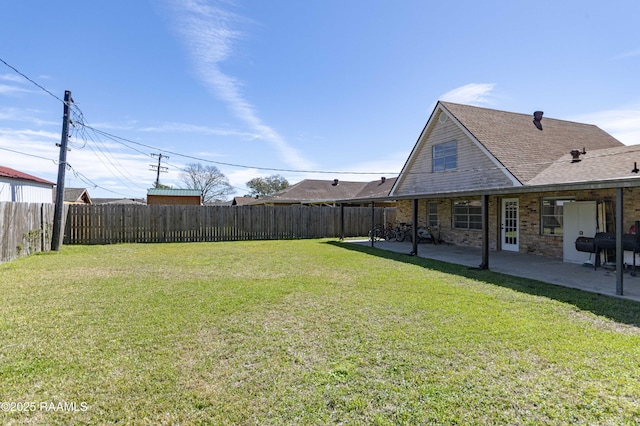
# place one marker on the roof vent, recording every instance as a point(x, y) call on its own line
point(537, 119)
point(383, 180)
point(335, 182)
point(635, 168)
point(575, 155)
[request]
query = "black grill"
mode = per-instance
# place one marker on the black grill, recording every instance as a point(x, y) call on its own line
point(585, 244)
point(631, 242)
point(607, 241)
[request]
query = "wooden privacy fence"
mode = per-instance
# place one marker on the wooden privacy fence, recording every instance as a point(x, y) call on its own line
point(25, 228)
point(110, 224)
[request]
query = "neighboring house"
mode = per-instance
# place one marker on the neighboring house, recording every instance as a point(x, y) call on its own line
point(21, 187)
point(219, 203)
point(118, 201)
point(373, 190)
point(329, 192)
point(506, 181)
point(243, 201)
point(76, 196)
point(174, 196)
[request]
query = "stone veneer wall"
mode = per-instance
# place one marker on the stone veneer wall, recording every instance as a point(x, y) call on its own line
point(531, 241)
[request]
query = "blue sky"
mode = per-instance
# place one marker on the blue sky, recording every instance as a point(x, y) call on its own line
point(318, 89)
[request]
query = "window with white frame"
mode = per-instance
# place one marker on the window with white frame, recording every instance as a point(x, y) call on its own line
point(467, 214)
point(551, 215)
point(445, 156)
point(432, 213)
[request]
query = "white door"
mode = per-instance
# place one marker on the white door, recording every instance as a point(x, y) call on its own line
point(579, 220)
point(509, 230)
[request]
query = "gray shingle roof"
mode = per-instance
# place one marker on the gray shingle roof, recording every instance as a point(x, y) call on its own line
point(518, 145)
point(317, 191)
point(597, 165)
point(75, 195)
point(314, 191)
point(377, 188)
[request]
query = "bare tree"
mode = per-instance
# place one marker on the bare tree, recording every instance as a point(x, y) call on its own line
point(267, 186)
point(213, 184)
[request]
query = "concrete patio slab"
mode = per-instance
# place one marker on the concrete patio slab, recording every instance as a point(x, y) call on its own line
point(549, 270)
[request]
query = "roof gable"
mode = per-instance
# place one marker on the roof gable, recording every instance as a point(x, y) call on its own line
point(77, 195)
point(496, 149)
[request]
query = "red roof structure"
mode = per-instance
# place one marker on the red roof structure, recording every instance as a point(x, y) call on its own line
point(15, 174)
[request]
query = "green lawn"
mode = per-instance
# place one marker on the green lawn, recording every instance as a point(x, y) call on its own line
point(304, 332)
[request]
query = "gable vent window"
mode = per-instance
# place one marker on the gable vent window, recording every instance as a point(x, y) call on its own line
point(445, 156)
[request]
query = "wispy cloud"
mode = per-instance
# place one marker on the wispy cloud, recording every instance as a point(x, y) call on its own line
point(629, 54)
point(27, 134)
point(204, 130)
point(6, 89)
point(623, 123)
point(209, 34)
point(470, 94)
point(24, 115)
point(12, 78)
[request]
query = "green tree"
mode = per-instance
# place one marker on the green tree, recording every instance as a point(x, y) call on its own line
point(213, 184)
point(266, 186)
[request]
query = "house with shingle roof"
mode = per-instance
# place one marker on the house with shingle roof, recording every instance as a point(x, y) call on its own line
point(77, 196)
point(319, 192)
point(242, 201)
point(508, 181)
point(22, 187)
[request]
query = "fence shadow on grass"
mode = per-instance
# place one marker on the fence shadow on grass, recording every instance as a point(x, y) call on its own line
point(616, 309)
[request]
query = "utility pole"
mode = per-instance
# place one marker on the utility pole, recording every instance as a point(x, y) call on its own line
point(158, 168)
point(56, 239)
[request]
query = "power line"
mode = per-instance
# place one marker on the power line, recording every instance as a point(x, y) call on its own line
point(94, 185)
point(109, 160)
point(500, 167)
point(242, 166)
point(31, 81)
point(118, 139)
point(29, 155)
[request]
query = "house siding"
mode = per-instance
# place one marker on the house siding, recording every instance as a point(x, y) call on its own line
point(174, 200)
point(531, 240)
point(474, 170)
point(22, 191)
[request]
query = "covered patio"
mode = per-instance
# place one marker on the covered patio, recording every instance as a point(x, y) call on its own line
point(549, 270)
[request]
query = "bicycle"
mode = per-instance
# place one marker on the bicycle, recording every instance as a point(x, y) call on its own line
point(382, 232)
point(402, 230)
point(405, 231)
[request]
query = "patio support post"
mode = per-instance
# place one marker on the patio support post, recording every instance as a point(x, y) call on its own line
point(414, 228)
point(485, 232)
point(619, 251)
point(373, 222)
point(341, 221)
